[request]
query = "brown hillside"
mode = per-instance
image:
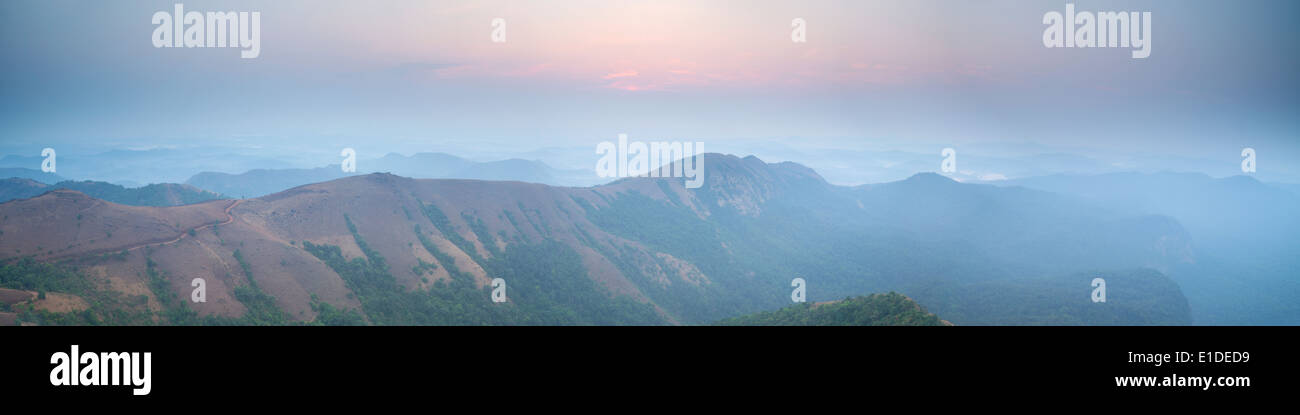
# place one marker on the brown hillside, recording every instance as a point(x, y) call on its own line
point(269, 232)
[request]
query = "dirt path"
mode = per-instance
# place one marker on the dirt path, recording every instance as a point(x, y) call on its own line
point(230, 217)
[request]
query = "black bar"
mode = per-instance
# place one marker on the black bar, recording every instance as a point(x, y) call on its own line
point(253, 364)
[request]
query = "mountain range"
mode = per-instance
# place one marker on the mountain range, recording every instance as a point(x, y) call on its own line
point(30, 174)
point(253, 173)
point(165, 194)
point(386, 249)
point(261, 182)
point(1243, 235)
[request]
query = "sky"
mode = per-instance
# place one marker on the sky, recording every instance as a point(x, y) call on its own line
point(412, 76)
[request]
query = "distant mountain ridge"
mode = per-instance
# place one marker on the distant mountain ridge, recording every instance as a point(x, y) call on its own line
point(165, 194)
point(1244, 234)
point(262, 182)
point(20, 188)
point(34, 175)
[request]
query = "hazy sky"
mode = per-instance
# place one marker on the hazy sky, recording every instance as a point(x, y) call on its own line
point(412, 76)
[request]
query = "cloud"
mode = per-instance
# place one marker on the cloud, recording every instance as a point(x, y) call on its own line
point(413, 68)
point(624, 74)
point(628, 85)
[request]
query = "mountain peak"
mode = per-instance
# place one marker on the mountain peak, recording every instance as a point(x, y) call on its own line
point(929, 177)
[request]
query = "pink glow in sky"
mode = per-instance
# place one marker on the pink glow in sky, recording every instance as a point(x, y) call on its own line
point(642, 46)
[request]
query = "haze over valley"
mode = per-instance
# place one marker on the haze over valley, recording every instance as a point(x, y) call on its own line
point(386, 249)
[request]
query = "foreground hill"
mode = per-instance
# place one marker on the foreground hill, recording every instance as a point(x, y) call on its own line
point(384, 249)
point(165, 194)
point(892, 309)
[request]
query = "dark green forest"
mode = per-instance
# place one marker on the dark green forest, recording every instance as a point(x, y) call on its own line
point(891, 309)
point(970, 272)
point(546, 285)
